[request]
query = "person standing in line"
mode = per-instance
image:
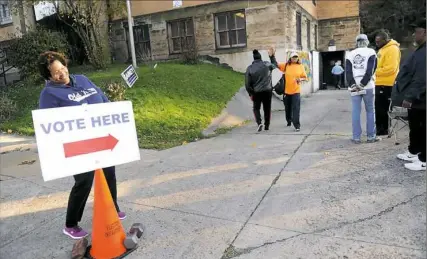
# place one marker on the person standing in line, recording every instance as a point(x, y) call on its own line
point(295, 74)
point(360, 73)
point(385, 76)
point(410, 92)
point(260, 90)
point(61, 90)
point(337, 72)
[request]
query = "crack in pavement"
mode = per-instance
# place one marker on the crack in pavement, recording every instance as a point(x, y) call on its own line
point(379, 214)
point(232, 252)
point(229, 251)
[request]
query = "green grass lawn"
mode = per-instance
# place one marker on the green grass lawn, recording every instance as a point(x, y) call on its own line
point(172, 104)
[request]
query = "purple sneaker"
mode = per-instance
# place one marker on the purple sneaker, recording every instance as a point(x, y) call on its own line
point(75, 232)
point(122, 215)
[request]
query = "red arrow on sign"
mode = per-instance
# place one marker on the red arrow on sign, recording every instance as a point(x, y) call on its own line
point(88, 146)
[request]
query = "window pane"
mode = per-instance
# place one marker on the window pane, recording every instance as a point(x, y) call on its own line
point(174, 29)
point(146, 33)
point(223, 39)
point(181, 28)
point(190, 29)
point(189, 43)
point(176, 45)
point(240, 20)
point(241, 37)
point(231, 21)
point(222, 22)
point(233, 38)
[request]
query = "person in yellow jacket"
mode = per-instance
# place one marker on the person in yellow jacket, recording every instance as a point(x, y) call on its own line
point(386, 73)
point(294, 74)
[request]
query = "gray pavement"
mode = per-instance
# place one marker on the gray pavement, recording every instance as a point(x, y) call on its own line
point(276, 194)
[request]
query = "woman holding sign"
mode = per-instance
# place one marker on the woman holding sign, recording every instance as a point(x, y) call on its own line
point(63, 89)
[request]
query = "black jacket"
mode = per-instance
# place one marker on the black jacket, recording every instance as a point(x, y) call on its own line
point(258, 77)
point(411, 81)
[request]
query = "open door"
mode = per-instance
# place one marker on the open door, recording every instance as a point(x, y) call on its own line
point(316, 71)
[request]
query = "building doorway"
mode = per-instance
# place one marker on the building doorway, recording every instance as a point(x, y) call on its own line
point(141, 38)
point(326, 63)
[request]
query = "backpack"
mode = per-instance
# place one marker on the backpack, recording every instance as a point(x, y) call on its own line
point(279, 88)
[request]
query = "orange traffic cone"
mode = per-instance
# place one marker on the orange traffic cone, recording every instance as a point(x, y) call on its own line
point(107, 230)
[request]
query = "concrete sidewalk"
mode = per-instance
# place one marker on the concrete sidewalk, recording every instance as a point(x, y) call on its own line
point(276, 194)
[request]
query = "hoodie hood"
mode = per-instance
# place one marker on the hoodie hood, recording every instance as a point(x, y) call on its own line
point(391, 43)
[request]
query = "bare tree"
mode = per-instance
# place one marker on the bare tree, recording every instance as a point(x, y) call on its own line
point(90, 20)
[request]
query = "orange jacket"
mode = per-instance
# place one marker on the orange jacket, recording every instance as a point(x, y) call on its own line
point(293, 72)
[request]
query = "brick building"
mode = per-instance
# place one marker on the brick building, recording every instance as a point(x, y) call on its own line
point(230, 30)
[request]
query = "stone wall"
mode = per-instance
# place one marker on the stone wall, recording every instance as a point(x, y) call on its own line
point(268, 23)
point(337, 9)
point(342, 30)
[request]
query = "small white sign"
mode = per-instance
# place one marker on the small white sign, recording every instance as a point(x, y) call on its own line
point(177, 4)
point(332, 48)
point(129, 75)
point(78, 139)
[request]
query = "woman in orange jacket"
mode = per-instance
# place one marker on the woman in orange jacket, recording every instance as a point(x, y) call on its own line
point(294, 74)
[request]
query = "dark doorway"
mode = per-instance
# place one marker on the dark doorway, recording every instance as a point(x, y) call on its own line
point(327, 61)
point(141, 36)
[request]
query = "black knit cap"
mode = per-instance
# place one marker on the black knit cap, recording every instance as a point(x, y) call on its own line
point(420, 23)
point(256, 54)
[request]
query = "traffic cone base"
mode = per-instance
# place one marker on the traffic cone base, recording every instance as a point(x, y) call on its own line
point(87, 255)
point(108, 234)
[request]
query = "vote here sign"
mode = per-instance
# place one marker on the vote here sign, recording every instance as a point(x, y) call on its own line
point(77, 139)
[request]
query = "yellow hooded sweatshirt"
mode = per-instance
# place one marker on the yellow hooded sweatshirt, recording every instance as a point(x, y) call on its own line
point(388, 64)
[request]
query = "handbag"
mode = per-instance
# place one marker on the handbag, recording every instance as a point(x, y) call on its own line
point(279, 88)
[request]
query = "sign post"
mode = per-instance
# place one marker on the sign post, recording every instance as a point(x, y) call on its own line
point(77, 139)
point(131, 41)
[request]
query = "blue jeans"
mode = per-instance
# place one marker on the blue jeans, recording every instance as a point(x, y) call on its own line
point(369, 100)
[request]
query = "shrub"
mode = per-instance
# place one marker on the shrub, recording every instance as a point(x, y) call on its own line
point(24, 51)
point(114, 90)
point(8, 108)
point(190, 54)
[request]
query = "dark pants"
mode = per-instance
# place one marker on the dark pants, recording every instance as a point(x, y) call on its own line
point(417, 133)
point(382, 103)
point(265, 99)
point(292, 109)
point(80, 193)
point(337, 80)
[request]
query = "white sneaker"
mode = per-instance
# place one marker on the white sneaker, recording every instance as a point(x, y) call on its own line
point(417, 165)
point(408, 156)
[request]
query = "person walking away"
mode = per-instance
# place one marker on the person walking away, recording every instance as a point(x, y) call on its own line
point(385, 76)
point(360, 70)
point(295, 74)
point(61, 90)
point(337, 72)
point(258, 85)
point(410, 92)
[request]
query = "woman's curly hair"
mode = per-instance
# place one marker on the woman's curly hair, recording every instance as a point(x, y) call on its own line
point(46, 59)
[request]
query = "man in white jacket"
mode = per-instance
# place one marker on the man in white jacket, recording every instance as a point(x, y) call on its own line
point(360, 73)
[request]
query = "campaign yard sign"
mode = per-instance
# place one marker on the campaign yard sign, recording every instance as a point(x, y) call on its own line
point(130, 76)
point(77, 139)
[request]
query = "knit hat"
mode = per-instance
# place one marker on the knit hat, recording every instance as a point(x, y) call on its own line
point(420, 23)
point(256, 54)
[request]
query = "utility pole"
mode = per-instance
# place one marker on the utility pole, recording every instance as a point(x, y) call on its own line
point(132, 43)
